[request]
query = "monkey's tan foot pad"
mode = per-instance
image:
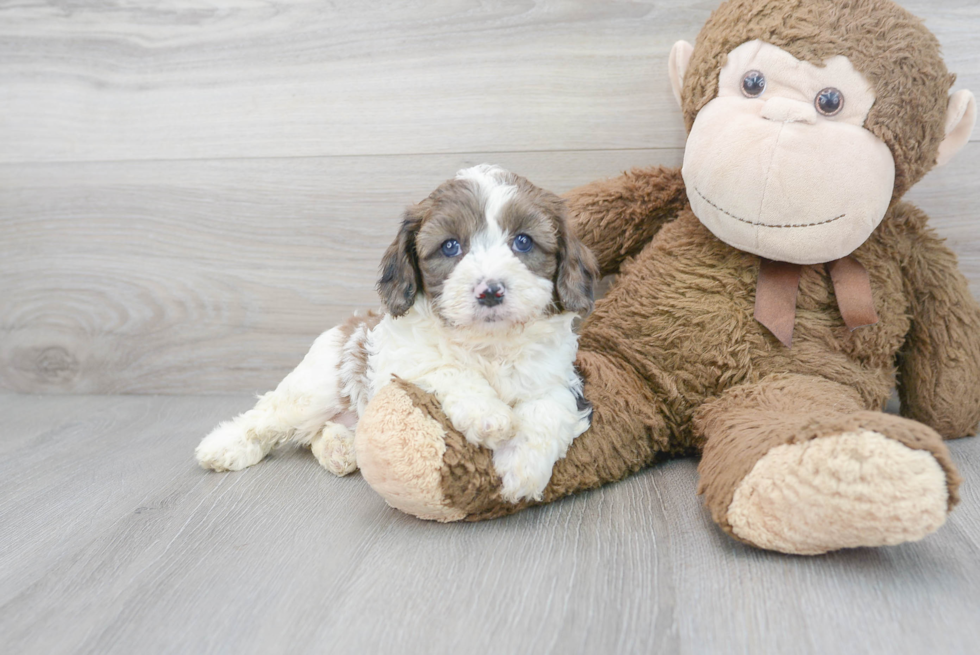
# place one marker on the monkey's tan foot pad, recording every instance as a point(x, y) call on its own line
point(842, 491)
point(399, 451)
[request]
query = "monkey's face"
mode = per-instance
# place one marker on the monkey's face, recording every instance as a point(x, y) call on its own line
point(779, 163)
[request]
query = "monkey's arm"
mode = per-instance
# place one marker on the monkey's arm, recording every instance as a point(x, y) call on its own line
point(939, 365)
point(618, 216)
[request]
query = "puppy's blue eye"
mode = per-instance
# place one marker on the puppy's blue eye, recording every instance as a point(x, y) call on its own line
point(450, 247)
point(523, 243)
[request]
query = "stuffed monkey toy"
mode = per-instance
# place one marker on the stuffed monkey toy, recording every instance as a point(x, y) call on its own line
point(770, 294)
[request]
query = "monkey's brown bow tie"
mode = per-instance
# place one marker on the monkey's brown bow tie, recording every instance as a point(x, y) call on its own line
point(779, 283)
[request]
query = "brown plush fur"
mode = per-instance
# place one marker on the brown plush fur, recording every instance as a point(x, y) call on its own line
point(677, 331)
point(624, 213)
point(746, 422)
point(674, 361)
point(894, 50)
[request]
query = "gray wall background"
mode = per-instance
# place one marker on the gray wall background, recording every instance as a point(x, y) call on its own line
point(191, 191)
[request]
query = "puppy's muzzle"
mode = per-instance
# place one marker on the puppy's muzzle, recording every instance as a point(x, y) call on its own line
point(490, 294)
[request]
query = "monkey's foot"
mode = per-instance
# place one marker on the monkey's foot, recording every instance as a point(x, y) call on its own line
point(852, 489)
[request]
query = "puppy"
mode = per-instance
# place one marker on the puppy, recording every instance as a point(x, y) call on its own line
point(481, 287)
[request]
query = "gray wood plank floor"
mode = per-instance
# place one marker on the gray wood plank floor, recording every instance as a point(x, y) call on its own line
point(191, 191)
point(113, 541)
point(215, 277)
point(129, 80)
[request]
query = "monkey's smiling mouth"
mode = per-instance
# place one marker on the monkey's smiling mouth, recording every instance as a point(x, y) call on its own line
point(761, 224)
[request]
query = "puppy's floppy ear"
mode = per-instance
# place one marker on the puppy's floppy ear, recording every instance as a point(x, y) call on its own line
point(578, 271)
point(401, 278)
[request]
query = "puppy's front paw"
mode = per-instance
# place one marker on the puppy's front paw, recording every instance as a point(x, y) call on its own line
point(524, 470)
point(228, 448)
point(483, 421)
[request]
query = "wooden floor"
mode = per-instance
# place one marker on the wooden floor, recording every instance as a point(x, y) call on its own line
point(113, 541)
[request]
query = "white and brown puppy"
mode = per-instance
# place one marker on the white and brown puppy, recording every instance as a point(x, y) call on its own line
point(481, 286)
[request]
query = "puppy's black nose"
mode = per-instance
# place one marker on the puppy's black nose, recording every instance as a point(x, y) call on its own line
point(491, 295)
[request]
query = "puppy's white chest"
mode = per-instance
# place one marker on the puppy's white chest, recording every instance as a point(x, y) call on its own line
point(516, 364)
point(502, 373)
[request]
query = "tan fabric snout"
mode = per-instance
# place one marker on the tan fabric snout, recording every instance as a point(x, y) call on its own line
point(784, 110)
point(764, 186)
point(771, 175)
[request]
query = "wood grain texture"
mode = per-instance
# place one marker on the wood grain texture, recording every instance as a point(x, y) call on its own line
point(180, 80)
point(115, 542)
point(191, 191)
point(215, 276)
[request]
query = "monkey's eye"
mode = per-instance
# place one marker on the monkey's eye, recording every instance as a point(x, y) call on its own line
point(753, 84)
point(523, 243)
point(829, 101)
point(450, 247)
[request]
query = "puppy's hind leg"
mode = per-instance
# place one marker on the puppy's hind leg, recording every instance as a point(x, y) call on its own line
point(297, 410)
point(334, 446)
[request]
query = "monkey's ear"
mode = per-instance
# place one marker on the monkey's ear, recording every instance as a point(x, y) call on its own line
point(961, 116)
point(401, 278)
point(578, 271)
point(680, 57)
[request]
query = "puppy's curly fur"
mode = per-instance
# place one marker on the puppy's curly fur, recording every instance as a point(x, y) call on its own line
point(481, 285)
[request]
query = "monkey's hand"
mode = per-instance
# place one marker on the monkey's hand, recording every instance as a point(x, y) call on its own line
point(939, 365)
